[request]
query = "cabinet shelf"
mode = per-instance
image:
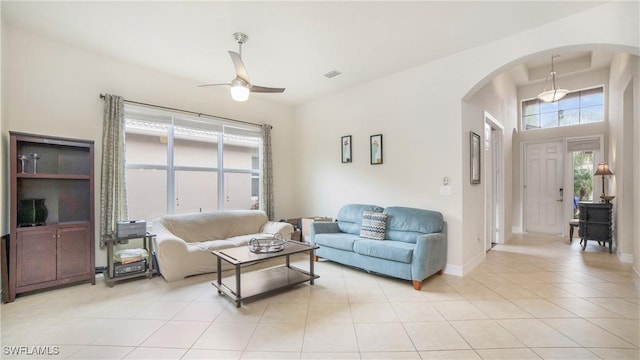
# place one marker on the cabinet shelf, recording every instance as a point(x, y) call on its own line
point(51, 224)
point(53, 176)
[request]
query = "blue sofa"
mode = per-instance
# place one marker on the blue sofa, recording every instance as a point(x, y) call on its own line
point(414, 245)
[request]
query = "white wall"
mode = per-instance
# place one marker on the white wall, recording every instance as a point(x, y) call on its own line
point(51, 88)
point(419, 113)
point(636, 176)
point(419, 148)
point(4, 138)
point(498, 98)
point(623, 158)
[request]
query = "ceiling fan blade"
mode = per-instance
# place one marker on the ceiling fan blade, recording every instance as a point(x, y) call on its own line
point(263, 89)
point(241, 71)
point(213, 84)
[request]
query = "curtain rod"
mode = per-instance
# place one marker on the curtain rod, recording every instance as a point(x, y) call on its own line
point(185, 111)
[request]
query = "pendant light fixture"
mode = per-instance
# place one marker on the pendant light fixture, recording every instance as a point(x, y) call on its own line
point(554, 94)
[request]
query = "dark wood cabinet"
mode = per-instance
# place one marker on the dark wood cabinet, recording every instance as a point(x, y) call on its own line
point(51, 212)
point(596, 223)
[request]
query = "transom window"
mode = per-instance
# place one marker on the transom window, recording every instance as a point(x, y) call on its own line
point(578, 107)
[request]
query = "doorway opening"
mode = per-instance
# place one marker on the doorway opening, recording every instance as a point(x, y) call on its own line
point(494, 185)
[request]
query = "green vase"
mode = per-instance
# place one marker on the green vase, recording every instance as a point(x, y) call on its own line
point(32, 212)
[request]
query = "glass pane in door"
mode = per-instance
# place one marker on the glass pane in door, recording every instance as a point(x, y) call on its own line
point(583, 169)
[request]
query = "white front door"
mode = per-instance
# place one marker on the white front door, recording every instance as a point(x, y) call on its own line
point(543, 188)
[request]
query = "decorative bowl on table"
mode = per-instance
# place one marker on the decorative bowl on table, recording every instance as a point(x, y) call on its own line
point(267, 245)
point(607, 198)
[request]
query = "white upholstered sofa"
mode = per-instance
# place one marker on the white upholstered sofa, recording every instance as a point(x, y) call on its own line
point(184, 242)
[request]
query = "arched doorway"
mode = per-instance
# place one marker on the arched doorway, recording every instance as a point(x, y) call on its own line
point(613, 136)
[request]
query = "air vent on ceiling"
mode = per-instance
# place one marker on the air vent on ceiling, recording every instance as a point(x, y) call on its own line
point(332, 73)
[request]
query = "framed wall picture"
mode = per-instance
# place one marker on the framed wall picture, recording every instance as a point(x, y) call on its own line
point(346, 149)
point(474, 145)
point(375, 145)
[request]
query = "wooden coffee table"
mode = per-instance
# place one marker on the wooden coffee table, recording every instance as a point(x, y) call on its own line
point(254, 283)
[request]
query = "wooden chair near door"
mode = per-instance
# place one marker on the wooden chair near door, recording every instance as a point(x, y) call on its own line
point(573, 223)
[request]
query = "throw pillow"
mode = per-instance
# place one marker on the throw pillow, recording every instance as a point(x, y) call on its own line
point(374, 225)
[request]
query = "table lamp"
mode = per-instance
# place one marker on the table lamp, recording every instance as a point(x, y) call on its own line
point(603, 169)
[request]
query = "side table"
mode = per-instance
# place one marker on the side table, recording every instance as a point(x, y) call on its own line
point(147, 244)
point(596, 221)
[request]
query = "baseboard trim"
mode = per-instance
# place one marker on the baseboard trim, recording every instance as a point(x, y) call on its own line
point(458, 270)
point(473, 263)
point(625, 258)
point(453, 270)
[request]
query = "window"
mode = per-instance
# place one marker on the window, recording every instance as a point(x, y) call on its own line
point(579, 107)
point(176, 163)
point(255, 178)
point(583, 168)
point(584, 152)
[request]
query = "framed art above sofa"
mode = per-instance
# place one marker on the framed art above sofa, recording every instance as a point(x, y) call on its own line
point(375, 145)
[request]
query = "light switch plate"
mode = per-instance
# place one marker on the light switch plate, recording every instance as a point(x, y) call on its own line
point(446, 190)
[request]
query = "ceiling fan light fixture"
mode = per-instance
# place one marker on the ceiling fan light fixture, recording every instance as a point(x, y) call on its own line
point(239, 91)
point(555, 93)
point(240, 86)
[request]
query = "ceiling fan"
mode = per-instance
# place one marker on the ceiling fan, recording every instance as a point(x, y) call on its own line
point(240, 85)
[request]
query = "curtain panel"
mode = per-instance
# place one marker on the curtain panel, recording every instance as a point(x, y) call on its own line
point(266, 196)
point(113, 190)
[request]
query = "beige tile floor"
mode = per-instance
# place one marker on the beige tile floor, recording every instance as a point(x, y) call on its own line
point(534, 298)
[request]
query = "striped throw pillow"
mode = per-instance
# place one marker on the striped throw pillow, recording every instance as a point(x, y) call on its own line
point(374, 225)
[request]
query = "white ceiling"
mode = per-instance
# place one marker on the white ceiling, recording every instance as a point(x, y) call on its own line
point(291, 44)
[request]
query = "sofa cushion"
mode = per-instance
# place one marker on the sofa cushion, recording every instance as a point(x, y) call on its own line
point(340, 241)
point(350, 217)
point(374, 225)
point(406, 224)
point(208, 246)
point(388, 249)
point(215, 225)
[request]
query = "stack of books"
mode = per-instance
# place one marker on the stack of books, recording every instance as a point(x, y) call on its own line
point(127, 256)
